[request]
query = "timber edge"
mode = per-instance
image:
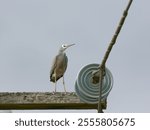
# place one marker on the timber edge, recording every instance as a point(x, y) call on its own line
point(43, 100)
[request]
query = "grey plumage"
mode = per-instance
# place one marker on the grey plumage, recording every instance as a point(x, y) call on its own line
point(59, 65)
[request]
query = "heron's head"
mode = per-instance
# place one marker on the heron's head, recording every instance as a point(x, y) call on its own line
point(65, 46)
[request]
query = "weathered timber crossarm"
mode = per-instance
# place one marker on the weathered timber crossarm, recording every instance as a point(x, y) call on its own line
point(43, 100)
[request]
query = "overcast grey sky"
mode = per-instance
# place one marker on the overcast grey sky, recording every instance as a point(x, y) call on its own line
point(31, 32)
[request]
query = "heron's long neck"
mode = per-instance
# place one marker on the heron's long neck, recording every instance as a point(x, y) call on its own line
point(61, 51)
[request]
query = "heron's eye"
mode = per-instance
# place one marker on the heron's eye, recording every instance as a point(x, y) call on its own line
point(64, 46)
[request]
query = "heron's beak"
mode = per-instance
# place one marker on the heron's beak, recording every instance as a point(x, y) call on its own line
point(70, 45)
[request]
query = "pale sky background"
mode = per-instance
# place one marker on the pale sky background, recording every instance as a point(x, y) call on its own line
point(32, 31)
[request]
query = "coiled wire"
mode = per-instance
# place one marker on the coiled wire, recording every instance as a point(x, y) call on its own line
point(86, 90)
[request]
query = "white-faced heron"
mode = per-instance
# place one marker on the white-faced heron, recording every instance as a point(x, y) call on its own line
point(59, 65)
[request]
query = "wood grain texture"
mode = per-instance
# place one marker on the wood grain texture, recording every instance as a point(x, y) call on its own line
point(43, 100)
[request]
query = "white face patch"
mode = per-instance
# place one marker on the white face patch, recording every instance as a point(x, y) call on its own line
point(64, 45)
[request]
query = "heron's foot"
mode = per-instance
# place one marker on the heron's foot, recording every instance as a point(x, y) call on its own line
point(65, 92)
point(53, 93)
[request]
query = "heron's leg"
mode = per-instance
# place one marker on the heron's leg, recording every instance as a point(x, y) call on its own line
point(55, 86)
point(64, 84)
point(55, 83)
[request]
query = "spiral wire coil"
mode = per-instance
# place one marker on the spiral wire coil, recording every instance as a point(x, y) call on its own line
point(86, 90)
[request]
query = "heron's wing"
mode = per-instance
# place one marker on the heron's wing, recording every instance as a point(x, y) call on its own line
point(59, 65)
point(54, 63)
point(65, 62)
